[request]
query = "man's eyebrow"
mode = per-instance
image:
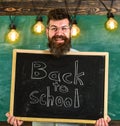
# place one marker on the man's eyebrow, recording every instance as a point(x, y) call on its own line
point(57, 26)
point(52, 25)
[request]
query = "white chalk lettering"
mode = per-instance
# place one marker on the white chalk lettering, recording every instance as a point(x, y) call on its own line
point(68, 102)
point(33, 98)
point(48, 100)
point(77, 75)
point(56, 86)
point(39, 71)
point(59, 85)
point(55, 76)
point(76, 99)
point(65, 78)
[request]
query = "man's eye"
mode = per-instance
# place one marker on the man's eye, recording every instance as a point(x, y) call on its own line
point(64, 28)
point(54, 29)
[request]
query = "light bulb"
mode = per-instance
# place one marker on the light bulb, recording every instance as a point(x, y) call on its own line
point(111, 24)
point(38, 28)
point(12, 36)
point(75, 31)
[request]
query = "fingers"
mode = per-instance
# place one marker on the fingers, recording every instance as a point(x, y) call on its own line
point(19, 122)
point(100, 122)
point(13, 121)
point(103, 122)
point(10, 118)
point(108, 119)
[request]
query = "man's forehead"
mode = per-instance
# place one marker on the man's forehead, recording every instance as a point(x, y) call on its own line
point(62, 22)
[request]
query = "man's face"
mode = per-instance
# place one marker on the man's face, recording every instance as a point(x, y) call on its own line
point(59, 36)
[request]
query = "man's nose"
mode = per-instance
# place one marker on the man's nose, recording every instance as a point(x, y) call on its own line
point(59, 31)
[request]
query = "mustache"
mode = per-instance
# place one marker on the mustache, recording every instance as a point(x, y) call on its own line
point(59, 37)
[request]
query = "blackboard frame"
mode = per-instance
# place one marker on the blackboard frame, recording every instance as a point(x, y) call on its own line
point(63, 120)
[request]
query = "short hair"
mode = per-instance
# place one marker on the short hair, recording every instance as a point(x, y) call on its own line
point(58, 14)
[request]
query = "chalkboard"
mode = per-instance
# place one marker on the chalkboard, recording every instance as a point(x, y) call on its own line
point(72, 88)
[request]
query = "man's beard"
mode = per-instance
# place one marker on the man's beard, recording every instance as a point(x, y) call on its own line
point(59, 49)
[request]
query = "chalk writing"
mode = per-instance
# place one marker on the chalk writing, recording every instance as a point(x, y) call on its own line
point(39, 71)
point(49, 100)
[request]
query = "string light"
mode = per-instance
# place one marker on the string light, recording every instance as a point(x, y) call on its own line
point(38, 27)
point(13, 35)
point(111, 23)
point(75, 31)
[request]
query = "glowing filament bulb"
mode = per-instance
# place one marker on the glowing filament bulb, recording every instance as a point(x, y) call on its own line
point(13, 35)
point(38, 28)
point(111, 24)
point(75, 31)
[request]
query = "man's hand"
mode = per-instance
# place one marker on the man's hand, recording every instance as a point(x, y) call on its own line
point(13, 121)
point(103, 122)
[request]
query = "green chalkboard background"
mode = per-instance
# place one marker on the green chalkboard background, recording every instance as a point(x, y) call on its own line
point(94, 37)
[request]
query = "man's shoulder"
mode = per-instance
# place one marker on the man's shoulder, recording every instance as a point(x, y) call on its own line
point(73, 50)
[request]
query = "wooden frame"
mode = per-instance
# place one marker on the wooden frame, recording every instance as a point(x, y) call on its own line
point(57, 119)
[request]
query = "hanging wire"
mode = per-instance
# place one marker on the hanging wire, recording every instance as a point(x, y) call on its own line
point(106, 6)
point(75, 12)
point(12, 19)
point(76, 9)
point(66, 6)
point(111, 5)
point(109, 14)
point(45, 4)
point(10, 16)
